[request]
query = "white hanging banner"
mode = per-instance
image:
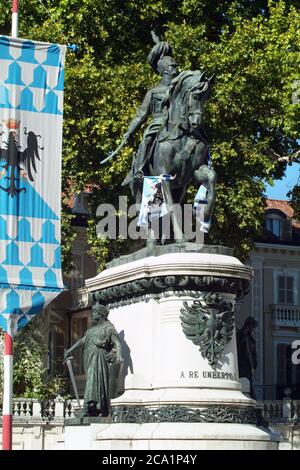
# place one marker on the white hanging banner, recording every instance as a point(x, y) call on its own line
point(153, 203)
point(31, 116)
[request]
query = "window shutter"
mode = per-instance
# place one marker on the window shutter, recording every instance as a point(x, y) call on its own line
point(286, 230)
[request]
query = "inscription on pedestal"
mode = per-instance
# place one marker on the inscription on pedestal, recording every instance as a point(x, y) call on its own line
point(206, 374)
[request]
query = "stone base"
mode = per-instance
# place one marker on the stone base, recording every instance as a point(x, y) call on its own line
point(170, 436)
point(180, 247)
point(86, 420)
point(171, 394)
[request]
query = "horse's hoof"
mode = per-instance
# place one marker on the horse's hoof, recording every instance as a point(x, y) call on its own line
point(151, 244)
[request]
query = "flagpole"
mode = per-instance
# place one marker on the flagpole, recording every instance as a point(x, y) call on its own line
point(8, 341)
point(7, 393)
point(15, 18)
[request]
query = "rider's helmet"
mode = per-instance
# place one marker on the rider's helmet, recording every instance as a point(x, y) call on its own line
point(167, 66)
point(162, 50)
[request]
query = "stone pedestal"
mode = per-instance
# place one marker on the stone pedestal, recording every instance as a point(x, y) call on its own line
point(171, 394)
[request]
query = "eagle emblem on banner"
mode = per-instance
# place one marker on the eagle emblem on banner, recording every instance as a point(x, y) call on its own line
point(18, 163)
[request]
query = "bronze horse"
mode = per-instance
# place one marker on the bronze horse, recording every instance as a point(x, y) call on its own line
point(181, 147)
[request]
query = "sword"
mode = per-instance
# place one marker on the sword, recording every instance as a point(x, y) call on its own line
point(122, 144)
point(71, 373)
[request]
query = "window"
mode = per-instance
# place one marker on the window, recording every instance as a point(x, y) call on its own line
point(56, 350)
point(285, 286)
point(285, 290)
point(279, 225)
point(288, 374)
point(274, 226)
point(81, 203)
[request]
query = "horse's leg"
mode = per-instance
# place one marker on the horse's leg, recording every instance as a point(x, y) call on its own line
point(160, 165)
point(207, 177)
point(174, 211)
point(164, 164)
point(136, 188)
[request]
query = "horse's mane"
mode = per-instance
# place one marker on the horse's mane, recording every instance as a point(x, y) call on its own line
point(176, 99)
point(186, 82)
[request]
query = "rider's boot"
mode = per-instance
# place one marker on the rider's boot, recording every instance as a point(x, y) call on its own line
point(136, 173)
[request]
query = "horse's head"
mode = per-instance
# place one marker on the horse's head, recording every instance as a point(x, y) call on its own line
point(198, 91)
point(188, 92)
point(194, 112)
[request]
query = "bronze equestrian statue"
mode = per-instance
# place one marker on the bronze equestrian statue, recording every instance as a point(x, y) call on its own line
point(174, 143)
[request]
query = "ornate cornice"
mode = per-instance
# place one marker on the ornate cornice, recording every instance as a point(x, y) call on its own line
point(276, 248)
point(181, 414)
point(180, 264)
point(130, 291)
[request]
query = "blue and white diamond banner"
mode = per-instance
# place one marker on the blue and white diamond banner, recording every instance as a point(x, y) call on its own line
point(31, 113)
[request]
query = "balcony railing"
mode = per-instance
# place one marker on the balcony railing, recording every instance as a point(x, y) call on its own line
point(286, 315)
point(51, 410)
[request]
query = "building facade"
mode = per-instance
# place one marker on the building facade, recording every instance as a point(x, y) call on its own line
point(274, 302)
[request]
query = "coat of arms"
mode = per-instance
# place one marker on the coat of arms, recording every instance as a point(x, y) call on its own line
point(18, 162)
point(209, 324)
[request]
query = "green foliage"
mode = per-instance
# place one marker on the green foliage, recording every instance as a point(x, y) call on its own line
point(29, 367)
point(68, 236)
point(31, 379)
point(250, 112)
point(294, 196)
point(30, 358)
point(251, 46)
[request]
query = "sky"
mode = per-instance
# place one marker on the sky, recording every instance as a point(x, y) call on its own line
point(281, 187)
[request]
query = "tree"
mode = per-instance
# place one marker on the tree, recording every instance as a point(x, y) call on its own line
point(251, 46)
point(31, 378)
point(294, 196)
